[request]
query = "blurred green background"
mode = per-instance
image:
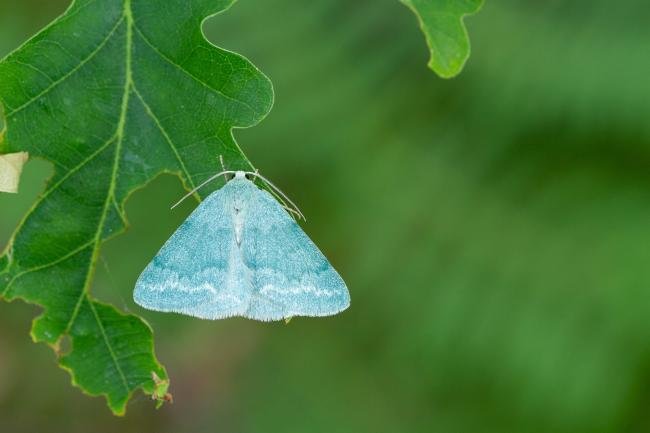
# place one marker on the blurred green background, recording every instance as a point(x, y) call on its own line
point(494, 231)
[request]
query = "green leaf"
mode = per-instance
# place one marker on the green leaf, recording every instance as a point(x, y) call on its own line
point(442, 24)
point(113, 93)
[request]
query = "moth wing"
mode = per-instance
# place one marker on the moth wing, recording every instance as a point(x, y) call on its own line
point(189, 275)
point(291, 277)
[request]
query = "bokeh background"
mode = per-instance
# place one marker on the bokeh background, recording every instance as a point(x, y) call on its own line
point(494, 231)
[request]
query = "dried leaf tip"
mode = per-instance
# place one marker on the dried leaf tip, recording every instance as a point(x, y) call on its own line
point(11, 166)
point(160, 392)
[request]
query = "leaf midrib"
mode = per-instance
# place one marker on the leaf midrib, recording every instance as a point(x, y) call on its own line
point(110, 196)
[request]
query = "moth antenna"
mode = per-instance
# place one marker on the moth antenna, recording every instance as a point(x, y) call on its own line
point(210, 179)
point(273, 192)
point(294, 213)
point(269, 183)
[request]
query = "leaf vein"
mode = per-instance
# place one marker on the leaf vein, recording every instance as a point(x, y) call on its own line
point(46, 265)
point(33, 68)
point(191, 75)
point(156, 121)
point(57, 185)
point(109, 347)
point(70, 73)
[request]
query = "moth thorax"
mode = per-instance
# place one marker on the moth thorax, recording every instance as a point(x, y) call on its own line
point(238, 221)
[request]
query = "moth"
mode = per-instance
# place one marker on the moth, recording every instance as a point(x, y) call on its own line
point(241, 253)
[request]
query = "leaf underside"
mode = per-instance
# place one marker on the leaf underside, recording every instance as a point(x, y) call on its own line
point(113, 93)
point(442, 24)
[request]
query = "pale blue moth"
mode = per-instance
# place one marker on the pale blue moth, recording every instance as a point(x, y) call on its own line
point(241, 254)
